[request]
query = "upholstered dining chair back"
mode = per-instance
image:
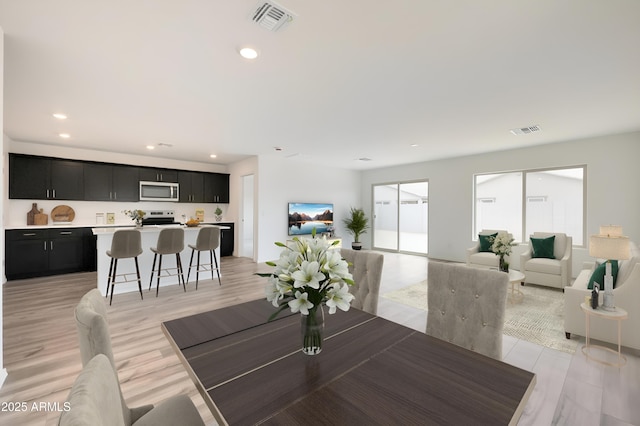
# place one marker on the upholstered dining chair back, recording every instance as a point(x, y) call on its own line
point(96, 399)
point(126, 243)
point(467, 306)
point(208, 238)
point(366, 268)
point(170, 241)
point(93, 330)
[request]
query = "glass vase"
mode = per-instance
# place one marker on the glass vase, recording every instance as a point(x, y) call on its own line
point(504, 266)
point(312, 330)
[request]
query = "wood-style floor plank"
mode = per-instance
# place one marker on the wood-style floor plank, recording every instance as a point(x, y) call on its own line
point(42, 355)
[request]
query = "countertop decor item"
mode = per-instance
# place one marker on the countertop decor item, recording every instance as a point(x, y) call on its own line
point(136, 215)
point(36, 216)
point(62, 213)
point(192, 222)
point(307, 276)
point(218, 214)
point(610, 244)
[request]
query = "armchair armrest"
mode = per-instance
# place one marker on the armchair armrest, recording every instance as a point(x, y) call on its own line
point(473, 250)
point(526, 255)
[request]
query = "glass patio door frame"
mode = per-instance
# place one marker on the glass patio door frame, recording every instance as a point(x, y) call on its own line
point(376, 205)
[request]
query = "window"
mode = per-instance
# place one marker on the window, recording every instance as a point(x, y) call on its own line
point(528, 201)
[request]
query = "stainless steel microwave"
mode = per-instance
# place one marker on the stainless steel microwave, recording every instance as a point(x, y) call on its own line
point(159, 191)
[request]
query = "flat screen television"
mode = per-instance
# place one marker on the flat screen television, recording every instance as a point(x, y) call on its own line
point(303, 217)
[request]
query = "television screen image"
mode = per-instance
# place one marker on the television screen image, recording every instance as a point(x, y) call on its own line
point(303, 217)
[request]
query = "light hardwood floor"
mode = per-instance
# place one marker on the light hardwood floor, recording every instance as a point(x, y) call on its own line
point(42, 356)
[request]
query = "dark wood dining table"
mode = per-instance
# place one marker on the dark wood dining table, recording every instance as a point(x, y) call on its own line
point(371, 371)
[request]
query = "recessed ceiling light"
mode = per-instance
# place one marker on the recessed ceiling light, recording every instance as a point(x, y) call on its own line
point(60, 116)
point(151, 147)
point(213, 156)
point(248, 53)
point(65, 135)
point(414, 145)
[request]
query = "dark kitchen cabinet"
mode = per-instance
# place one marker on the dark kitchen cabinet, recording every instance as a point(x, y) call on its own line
point(110, 182)
point(41, 252)
point(44, 178)
point(226, 239)
point(216, 188)
point(191, 186)
point(150, 174)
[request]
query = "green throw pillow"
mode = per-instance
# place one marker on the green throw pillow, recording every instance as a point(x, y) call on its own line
point(598, 275)
point(543, 247)
point(486, 241)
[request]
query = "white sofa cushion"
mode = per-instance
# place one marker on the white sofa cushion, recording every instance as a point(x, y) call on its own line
point(545, 266)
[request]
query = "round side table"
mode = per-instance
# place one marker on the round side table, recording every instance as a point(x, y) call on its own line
point(515, 278)
point(618, 315)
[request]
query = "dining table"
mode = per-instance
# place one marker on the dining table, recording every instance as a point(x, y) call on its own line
point(250, 370)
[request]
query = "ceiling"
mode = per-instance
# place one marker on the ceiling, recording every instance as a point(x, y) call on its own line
point(394, 82)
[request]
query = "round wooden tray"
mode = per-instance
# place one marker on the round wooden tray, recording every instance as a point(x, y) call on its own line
point(62, 213)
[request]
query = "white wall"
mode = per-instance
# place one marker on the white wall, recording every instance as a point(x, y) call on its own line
point(612, 178)
point(281, 181)
point(3, 371)
point(237, 171)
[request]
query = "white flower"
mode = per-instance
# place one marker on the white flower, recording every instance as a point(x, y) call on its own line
point(335, 266)
point(308, 275)
point(272, 291)
point(338, 297)
point(301, 303)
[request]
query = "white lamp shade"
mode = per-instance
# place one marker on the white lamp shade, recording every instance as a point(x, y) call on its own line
point(609, 247)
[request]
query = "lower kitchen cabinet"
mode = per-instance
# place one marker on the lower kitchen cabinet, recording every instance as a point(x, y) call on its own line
point(226, 239)
point(41, 252)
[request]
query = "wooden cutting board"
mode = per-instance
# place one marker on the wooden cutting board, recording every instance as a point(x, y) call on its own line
point(62, 213)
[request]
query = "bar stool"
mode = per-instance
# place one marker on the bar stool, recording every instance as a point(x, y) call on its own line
point(126, 244)
point(170, 241)
point(208, 239)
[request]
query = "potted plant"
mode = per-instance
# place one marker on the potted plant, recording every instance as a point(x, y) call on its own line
point(357, 224)
point(218, 213)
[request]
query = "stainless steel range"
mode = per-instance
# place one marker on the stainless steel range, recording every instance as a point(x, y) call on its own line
point(159, 217)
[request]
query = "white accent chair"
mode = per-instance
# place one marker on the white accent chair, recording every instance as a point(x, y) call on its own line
point(549, 272)
point(484, 259)
point(626, 295)
point(366, 268)
point(466, 306)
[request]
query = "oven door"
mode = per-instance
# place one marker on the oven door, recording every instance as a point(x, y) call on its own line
point(159, 191)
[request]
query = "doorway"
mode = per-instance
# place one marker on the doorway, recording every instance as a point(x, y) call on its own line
point(247, 233)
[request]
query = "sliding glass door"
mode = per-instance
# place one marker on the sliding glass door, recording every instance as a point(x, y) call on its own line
point(401, 217)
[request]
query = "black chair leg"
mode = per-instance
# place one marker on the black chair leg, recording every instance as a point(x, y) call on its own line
point(109, 277)
point(217, 267)
point(139, 281)
point(180, 271)
point(153, 268)
point(190, 263)
point(159, 271)
point(113, 279)
point(198, 270)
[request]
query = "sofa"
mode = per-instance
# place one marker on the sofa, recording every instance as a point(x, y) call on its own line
point(484, 259)
point(550, 272)
point(626, 295)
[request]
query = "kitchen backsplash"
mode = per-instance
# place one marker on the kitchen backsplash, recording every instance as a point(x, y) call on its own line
point(85, 211)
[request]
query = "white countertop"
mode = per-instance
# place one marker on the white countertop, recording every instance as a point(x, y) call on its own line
point(93, 225)
point(148, 228)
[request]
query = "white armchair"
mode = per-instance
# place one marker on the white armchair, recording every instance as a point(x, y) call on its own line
point(545, 271)
point(484, 259)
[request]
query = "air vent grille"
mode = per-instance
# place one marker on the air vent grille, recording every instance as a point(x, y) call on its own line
point(525, 130)
point(271, 16)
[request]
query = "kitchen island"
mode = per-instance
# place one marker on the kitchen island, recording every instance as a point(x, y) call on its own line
point(149, 234)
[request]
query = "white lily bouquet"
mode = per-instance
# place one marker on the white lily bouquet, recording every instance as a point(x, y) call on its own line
point(308, 275)
point(502, 246)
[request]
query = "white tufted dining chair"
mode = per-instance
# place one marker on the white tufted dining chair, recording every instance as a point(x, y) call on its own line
point(366, 268)
point(466, 306)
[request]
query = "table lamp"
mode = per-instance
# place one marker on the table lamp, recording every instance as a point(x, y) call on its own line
point(610, 244)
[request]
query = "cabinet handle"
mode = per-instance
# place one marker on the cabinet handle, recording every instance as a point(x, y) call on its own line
point(47, 193)
point(65, 232)
point(115, 195)
point(30, 234)
point(45, 245)
point(51, 245)
point(54, 193)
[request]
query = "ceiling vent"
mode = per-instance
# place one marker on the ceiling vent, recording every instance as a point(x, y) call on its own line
point(271, 16)
point(525, 130)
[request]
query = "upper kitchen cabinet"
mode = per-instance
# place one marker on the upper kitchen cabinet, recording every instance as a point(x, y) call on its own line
point(191, 186)
point(216, 188)
point(43, 178)
point(149, 174)
point(110, 182)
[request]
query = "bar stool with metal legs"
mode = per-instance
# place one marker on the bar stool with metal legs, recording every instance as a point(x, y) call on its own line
point(170, 241)
point(208, 240)
point(126, 244)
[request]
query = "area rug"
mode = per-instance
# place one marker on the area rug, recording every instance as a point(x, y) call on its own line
point(538, 318)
